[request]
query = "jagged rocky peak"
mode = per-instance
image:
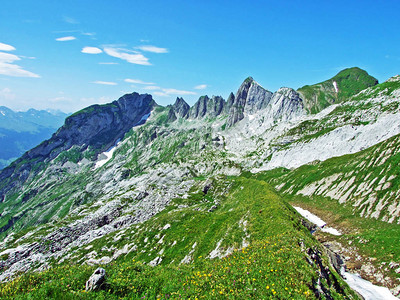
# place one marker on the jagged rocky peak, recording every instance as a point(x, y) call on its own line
point(230, 102)
point(207, 107)
point(250, 98)
point(181, 108)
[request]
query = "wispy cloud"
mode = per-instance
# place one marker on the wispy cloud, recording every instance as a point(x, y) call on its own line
point(6, 94)
point(66, 38)
point(200, 87)
point(137, 81)
point(91, 50)
point(152, 88)
point(108, 63)
point(8, 68)
point(169, 92)
point(160, 94)
point(88, 33)
point(154, 49)
point(177, 92)
point(5, 47)
point(70, 20)
point(131, 57)
point(105, 82)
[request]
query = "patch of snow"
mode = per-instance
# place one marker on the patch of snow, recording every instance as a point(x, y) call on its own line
point(316, 220)
point(331, 230)
point(167, 226)
point(368, 290)
point(108, 155)
point(335, 86)
point(310, 216)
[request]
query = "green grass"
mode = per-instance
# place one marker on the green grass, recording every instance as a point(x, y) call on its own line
point(272, 266)
point(374, 238)
point(349, 82)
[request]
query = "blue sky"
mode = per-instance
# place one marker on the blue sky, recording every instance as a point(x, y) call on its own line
point(184, 48)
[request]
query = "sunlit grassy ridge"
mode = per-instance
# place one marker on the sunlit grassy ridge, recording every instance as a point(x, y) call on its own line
point(273, 265)
point(337, 89)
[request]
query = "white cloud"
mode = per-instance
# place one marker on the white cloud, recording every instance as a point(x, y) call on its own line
point(133, 58)
point(137, 81)
point(108, 63)
point(8, 58)
point(200, 87)
point(160, 94)
point(152, 88)
point(70, 20)
point(88, 33)
point(105, 82)
point(91, 50)
point(66, 38)
point(6, 94)
point(154, 49)
point(177, 92)
point(5, 47)
point(8, 68)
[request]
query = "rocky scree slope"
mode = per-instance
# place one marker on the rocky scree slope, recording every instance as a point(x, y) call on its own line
point(76, 203)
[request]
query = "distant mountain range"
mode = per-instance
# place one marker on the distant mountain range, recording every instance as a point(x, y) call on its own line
point(20, 131)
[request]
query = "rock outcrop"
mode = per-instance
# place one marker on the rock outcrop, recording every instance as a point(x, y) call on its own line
point(96, 280)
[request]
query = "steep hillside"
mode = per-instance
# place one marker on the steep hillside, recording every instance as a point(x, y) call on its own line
point(335, 90)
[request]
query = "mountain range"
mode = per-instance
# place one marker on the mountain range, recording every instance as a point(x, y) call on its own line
point(21, 131)
point(198, 201)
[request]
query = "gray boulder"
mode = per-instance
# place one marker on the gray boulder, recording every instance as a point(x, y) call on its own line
point(96, 280)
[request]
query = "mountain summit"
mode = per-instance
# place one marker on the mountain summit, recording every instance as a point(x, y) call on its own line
point(339, 88)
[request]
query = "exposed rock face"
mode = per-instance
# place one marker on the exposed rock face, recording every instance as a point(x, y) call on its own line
point(251, 98)
point(207, 107)
point(181, 108)
point(96, 280)
point(237, 107)
point(98, 126)
point(257, 98)
point(286, 104)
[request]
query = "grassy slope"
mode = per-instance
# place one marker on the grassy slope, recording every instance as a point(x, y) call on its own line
point(272, 266)
point(349, 82)
point(373, 238)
